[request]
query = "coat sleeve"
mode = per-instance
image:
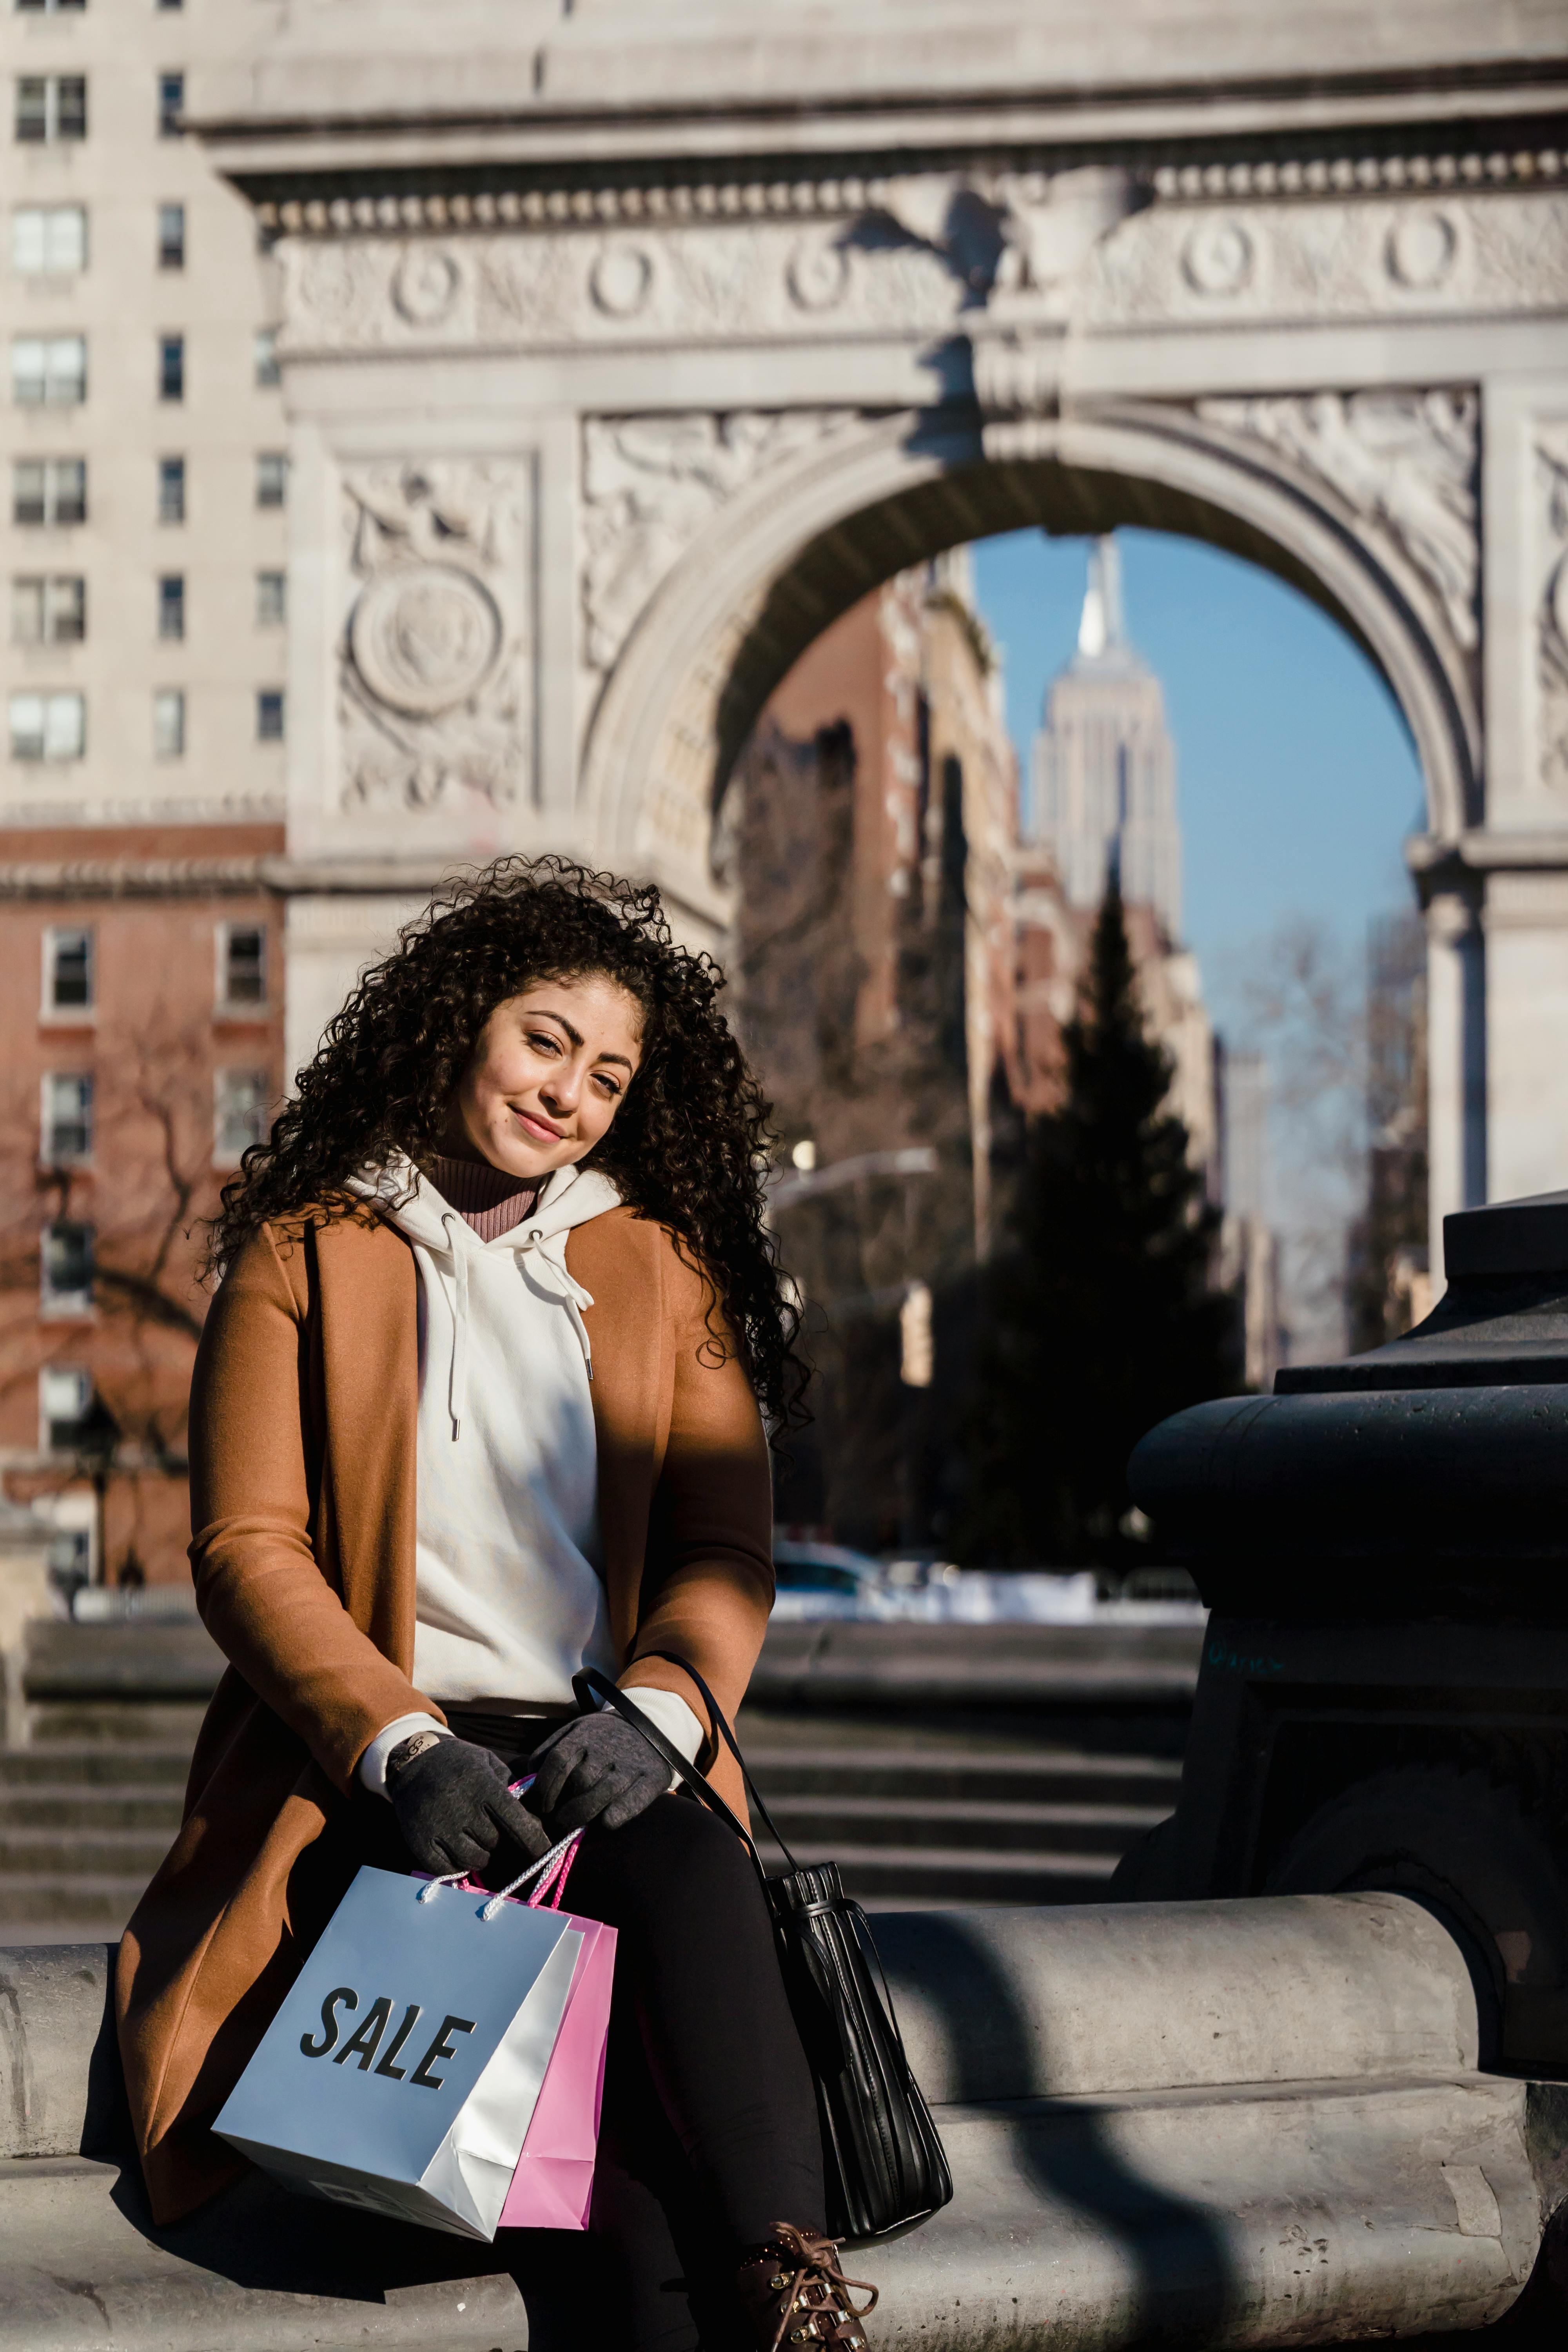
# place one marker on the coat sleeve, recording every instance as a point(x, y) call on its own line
point(260, 1586)
point(709, 1582)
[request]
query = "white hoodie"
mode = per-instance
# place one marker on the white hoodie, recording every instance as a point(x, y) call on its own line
point(509, 1598)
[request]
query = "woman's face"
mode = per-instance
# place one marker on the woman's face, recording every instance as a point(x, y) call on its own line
point(549, 1074)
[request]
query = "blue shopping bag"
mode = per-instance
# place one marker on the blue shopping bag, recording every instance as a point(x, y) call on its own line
point(401, 2071)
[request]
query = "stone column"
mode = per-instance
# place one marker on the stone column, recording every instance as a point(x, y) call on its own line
point(1526, 1032)
point(1457, 980)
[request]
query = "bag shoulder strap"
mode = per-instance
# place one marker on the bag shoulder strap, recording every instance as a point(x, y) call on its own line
point(622, 1702)
point(728, 1737)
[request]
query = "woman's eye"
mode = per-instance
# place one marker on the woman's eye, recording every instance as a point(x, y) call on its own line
point(611, 1086)
point(543, 1043)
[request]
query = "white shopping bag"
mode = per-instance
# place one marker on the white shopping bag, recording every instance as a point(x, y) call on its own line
point(401, 2071)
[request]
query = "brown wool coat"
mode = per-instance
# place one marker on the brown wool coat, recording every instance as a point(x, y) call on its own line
point(302, 1499)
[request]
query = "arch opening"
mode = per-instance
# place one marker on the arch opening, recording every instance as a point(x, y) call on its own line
point(803, 545)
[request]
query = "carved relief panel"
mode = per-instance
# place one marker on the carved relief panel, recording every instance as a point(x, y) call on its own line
point(1551, 619)
point(649, 485)
point(1403, 463)
point(436, 660)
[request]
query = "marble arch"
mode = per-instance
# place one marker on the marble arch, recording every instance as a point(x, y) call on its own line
point(623, 349)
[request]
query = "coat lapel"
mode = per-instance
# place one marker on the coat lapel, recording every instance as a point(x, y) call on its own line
point(616, 1257)
point(370, 1360)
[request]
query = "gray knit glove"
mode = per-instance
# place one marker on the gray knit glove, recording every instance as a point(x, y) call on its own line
point(597, 1767)
point(454, 1810)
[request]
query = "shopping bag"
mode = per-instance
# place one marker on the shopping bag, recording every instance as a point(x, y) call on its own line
point(554, 2183)
point(404, 2070)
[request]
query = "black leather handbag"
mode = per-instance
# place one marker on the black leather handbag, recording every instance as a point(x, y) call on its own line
point(883, 2161)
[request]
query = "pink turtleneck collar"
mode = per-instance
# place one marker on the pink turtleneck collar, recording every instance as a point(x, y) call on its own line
point(485, 1198)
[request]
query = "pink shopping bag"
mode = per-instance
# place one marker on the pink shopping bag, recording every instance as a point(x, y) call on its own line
point(554, 2183)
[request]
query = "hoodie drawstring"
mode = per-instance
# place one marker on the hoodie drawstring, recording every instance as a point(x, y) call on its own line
point(457, 1371)
point(560, 1285)
point(570, 1292)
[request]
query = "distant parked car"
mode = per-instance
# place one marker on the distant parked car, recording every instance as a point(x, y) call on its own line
point(829, 1581)
point(823, 1580)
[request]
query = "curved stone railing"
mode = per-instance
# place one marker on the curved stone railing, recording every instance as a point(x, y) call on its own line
point(1226, 2123)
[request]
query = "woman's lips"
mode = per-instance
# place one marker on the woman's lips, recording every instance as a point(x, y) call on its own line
point(537, 1127)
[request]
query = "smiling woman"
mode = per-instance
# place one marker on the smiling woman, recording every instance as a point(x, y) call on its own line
point(475, 1409)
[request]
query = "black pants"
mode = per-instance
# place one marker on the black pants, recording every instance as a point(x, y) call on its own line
point(710, 2136)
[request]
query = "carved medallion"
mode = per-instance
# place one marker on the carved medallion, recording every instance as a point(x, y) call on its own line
point(620, 278)
point(424, 284)
point(818, 274)
point(423, 637)
point(1217, 258)
point(1421, 249)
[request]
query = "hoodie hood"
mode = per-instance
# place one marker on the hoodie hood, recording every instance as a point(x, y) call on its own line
point(572, 1196)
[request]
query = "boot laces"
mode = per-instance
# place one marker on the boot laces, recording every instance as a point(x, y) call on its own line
point(810, 2284)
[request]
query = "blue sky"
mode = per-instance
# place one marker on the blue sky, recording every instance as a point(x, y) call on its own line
point(1297, 780)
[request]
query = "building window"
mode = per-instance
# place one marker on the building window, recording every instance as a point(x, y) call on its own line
point(170, 7)
point(269, 715)
point(65, 1402)
point(48, 240)
point(66, 1268)
point(47, 727)
point(171, 489)
point(241, 965)
point(169, 723)
point(171, 104)
point(170, 236)
point(271, 477)
point(66, 1117)
point(271, 599)
point(171, 367)
point(51, 611)
point(172, 604)
point(240, 1113)
point(48, 370)
point(265, 353)
point(48, 8)
point(67, 971)
point(50, 107)
point(48, 490)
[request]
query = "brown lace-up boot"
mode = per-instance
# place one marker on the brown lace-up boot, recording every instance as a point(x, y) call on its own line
point(795, 2293)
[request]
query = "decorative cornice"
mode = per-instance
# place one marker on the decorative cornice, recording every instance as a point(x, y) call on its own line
point(133, 877)
point(785, 192)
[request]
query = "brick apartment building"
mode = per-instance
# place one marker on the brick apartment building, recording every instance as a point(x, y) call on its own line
point(143, 485)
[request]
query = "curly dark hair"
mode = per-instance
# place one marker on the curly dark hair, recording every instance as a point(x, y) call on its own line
point(690, 1145)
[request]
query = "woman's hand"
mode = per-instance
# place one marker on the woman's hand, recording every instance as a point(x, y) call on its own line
point(454, 1810)
point(597, 1767)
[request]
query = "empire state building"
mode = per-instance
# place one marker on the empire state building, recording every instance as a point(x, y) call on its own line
point(1104, 767)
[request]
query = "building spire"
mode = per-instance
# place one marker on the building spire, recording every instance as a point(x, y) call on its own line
point(1100, 628)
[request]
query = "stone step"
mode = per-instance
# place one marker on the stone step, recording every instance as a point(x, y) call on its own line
point(43, 1807)
point(937, 1770)
point(920, 1875)
point(37, 1854)
point(74, 1722)
point(41, 1900)
point(93, 1765)
point(918, 1823)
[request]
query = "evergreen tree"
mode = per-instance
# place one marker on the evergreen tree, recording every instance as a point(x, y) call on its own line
point(1101, 1314)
